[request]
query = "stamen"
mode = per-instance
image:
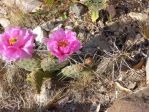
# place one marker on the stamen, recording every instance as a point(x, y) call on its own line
point(63, 43)
point(12, 41)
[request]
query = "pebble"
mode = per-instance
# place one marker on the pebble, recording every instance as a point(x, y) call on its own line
point(4, 22)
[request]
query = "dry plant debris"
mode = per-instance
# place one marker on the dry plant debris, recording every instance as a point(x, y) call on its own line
point(108, 73)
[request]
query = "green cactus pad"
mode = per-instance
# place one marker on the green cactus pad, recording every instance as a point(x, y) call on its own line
point(28, 64)
point(52, 65)
point(36, 78)
point(73, 71)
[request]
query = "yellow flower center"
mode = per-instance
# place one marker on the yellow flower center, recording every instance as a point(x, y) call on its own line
point(63, 43)
point(12, 41)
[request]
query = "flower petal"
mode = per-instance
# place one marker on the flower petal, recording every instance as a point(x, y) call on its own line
point(63, 51)
point(58, 35)
point(22, 48)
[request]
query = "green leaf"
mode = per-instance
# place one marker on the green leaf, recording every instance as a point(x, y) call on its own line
point(94, 15)
point(49, 2)
point(64, 16)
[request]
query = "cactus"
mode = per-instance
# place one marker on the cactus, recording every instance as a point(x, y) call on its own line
point(36, 78)
point(29, 64)
point(73, 71)
point(52, 64)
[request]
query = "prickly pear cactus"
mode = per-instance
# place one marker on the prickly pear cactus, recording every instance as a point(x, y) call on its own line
point(29, 64)
point(36, 78)
point(73, 71)
point(52, 64)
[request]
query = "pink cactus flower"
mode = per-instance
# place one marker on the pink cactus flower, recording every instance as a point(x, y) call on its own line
point(16, 43)
point(63, 43)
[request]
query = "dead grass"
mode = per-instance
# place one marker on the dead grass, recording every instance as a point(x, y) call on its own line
point(17, 17)
point(16, 94)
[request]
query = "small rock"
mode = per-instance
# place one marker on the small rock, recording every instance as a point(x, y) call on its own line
point(136, 102)
point(4, 22)
point(78, 9)
point(40, 34)
point(96, 43)
point(49, 26)
point(139, 16)
point(101, 24)
point(24, 5)
point(111, 10)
